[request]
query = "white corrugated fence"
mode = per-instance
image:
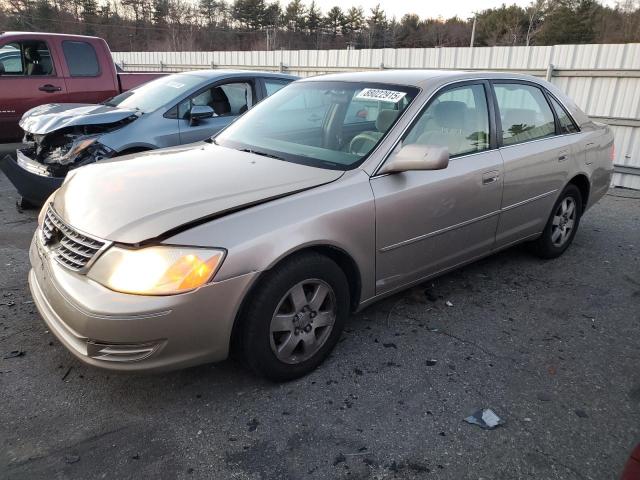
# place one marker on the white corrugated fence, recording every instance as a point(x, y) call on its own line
point(603, 79)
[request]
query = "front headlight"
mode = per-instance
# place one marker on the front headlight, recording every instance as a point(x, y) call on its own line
point(157, 270)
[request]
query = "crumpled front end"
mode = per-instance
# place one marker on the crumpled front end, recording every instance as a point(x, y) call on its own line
point(69, 147)
point(44, 160)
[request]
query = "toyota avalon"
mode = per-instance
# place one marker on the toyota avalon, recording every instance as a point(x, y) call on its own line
point(327, 196)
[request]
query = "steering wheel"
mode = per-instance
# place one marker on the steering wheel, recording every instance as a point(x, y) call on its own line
point(359, 142)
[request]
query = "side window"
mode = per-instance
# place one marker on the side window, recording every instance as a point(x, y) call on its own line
point(10, 59)
point(458, 119)
point(81, 59)
point(524, 112)
point(228, 99)
point(566, 124)
point(239, 95)
point(272, 85)
point(183, 108)
point(31, 58)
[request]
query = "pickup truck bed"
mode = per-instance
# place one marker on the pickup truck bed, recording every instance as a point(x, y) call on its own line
point(39, 68)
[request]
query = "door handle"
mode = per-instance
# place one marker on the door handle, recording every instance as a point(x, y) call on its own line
point(490, 177)
point(563, 156)
point(49, 88)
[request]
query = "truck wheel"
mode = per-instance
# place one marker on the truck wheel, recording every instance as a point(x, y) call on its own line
point(295, 317)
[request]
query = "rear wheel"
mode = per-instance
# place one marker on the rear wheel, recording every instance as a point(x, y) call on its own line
point(295, 317)
point(562, 224)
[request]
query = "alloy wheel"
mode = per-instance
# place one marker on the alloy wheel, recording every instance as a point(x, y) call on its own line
point(563, 222)
point(303, 321)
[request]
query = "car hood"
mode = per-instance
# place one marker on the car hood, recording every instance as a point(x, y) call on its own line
point(141, 197)
point(54, 116)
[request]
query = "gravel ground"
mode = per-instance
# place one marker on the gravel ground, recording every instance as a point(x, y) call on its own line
point(552, 347)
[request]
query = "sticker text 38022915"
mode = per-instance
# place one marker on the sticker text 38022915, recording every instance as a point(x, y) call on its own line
point(381, 95)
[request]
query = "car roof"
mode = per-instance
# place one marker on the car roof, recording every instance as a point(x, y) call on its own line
point(419, 78)
point(214, 74)
point(44, 35)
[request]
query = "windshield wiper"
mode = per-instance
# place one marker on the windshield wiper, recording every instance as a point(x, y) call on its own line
point(262, 154)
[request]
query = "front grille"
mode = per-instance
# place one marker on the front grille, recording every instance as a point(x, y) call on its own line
point(71, 248)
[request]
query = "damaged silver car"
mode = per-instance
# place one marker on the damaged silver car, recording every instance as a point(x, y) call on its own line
point(173, 110)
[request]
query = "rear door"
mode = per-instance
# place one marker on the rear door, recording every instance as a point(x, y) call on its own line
point(534, 157)
point(228, 99)
point(29, 76)
point(430, 221)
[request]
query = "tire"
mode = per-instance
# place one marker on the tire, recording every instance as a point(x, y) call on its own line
point(282, 341)
point(562, 225)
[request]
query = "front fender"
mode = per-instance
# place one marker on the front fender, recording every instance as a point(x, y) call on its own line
point(340, 215)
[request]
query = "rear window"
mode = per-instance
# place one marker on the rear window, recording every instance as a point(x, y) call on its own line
point(81, 59)
point(566, 124)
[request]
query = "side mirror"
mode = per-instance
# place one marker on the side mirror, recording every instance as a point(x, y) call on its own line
point(200, 112)
point(417, 157)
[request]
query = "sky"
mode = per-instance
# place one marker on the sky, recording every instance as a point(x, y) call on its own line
point(424, 8)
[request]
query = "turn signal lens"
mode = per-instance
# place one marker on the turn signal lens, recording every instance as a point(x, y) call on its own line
point(159, 270)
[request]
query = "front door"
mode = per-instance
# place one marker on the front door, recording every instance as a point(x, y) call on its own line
point(228, 100)
point(429, 221)
point(28, 78)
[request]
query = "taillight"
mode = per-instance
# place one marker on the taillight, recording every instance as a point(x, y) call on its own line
point(612, 153)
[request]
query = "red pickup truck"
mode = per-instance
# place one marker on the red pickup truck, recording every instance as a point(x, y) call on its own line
point(38, 68)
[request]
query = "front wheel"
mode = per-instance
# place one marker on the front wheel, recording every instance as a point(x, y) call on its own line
point(562, 224)
point(295, 317)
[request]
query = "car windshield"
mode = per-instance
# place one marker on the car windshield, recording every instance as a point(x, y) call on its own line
point(324, 124)
point(155, 94)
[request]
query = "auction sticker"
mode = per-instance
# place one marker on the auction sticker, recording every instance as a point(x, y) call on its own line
point(381, 95)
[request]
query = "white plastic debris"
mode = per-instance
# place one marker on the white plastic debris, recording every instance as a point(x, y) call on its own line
point(448, 303)
point(485, 418)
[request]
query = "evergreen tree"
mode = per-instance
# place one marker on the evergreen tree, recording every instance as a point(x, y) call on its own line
point(250, 13)
point(335, 20)
point(314, 18)
point(295, 16)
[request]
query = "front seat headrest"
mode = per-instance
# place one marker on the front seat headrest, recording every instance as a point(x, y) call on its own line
point(385, 119)
point(220, 101)
point(31, 54)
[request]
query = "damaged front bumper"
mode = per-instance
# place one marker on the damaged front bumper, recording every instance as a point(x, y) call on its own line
point(36, 179)
point(32, 179)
